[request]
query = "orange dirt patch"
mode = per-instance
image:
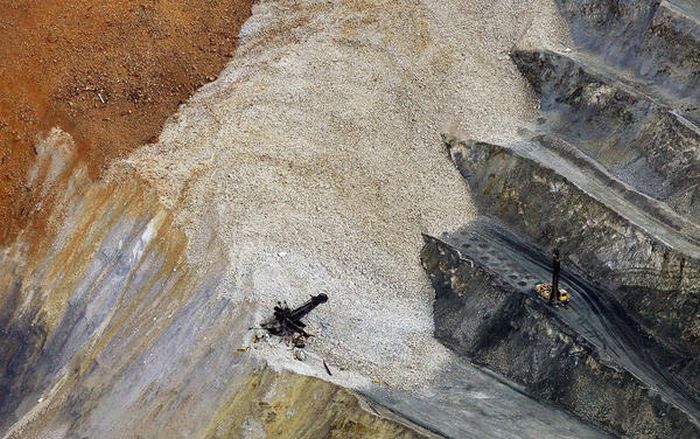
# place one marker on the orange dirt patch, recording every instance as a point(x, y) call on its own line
point(107, 72)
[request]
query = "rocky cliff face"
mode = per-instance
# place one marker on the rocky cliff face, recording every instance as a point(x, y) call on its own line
point(647, 143)
point(311, 164)
point(486, 318)
point(657, 282)
point(657, 40)
point(264, 404)
point(287, 405)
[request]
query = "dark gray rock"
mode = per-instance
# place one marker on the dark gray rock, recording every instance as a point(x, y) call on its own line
point(656, 284)
point(642, 141)
point(658, 41)
point(482, 317)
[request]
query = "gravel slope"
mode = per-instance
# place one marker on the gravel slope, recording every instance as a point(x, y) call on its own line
point(315, 160)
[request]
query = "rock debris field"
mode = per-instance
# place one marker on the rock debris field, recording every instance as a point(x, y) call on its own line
point(315, 161)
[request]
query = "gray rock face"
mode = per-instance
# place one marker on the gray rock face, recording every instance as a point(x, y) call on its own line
point(658, 41)
point(609, 174)
point(644, 142)
point(657, 284)
point(485, 318)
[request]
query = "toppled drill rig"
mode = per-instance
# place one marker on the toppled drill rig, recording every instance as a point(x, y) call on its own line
point(287, 322)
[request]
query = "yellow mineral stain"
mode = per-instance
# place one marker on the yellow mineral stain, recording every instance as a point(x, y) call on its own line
point(286, 405)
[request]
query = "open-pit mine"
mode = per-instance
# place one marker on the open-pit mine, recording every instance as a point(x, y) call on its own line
point(350, 219)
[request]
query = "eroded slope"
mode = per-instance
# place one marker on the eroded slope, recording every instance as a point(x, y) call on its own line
point(109, 73)
point(311, 164)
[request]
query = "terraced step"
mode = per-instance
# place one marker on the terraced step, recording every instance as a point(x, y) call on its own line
point(637, 137)
point(685, 9)
point(492, 318)
point(650, 214)
point(454, 404)
point(610, 175)
point(653, 267)
point(654, 40)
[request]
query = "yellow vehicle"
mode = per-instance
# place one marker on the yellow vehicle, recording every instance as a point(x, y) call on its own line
point(544, 290)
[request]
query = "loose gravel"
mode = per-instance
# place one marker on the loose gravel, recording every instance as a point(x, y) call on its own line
point(315, 161)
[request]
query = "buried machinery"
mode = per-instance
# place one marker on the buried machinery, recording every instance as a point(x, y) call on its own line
point(287, 322)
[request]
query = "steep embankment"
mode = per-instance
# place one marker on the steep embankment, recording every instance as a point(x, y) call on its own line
point(602, 233)
point(608, 174)
point(107, 329)
point(488, 315)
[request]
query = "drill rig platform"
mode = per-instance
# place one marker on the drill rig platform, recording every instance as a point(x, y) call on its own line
point(545, 290)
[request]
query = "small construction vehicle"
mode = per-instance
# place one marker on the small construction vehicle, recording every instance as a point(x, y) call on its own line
point(287, 322)
point(545, 290)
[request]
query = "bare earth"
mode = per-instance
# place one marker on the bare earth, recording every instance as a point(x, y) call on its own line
point(108, 73)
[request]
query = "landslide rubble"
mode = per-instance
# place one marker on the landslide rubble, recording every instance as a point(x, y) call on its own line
point(108, 331)
point(310, 164)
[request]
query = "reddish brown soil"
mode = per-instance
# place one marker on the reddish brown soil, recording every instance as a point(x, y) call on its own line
point(107, 72)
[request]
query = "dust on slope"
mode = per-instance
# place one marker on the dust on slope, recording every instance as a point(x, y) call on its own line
point(109, 73)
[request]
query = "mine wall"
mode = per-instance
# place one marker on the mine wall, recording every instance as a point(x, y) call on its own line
point(264, 402)
point(655, 40)
point(643, 142)
point(125, 315)
point(658, 284)
point(484, 318)
point(108, 328)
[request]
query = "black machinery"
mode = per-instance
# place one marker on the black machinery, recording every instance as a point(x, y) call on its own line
point(287, 321)
point(551, 292)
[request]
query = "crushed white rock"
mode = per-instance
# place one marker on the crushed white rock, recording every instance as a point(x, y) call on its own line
point(314, 161)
